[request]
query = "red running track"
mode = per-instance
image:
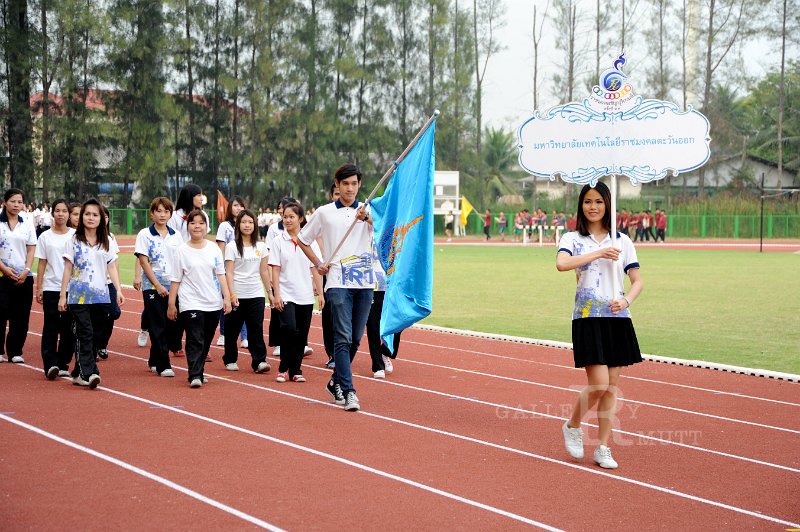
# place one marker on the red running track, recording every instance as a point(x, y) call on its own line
point(465, 434)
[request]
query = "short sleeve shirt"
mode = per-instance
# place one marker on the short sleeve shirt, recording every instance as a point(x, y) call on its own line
point(295, 280)
point(14, 243)
point(247, 269)
point(351, 267)
point(88, 286)
point(50, 247)
point(160, 252)
point(197, 270)
point(225, 232)
point(178, 223)
point(594, 293)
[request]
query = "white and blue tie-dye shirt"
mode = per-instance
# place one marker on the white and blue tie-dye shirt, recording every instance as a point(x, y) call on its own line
point(87, 286)
point(225, 232)
point(197, 270)
point(159, 251)
point(595, 286)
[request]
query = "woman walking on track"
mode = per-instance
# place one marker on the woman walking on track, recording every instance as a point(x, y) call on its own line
point(189, 199)
point(114, 311)
point(603, 337)
point(381, 356)
point(198, 277)
point(88, 261)
point(155, 248)
point(58, 342)
point(17, 244)
point(294, 281)
point(248, 274)
point(225, 235)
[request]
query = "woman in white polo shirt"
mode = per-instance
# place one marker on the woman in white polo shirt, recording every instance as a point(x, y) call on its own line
point(197, 278)
point(17, 244)
point(247, 273)
point(294, 281)
point(58, 342)
point(603, 337)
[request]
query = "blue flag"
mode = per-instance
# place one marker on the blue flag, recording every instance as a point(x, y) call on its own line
point(403, 223)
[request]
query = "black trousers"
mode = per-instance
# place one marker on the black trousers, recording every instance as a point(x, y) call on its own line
point(274, 328)
point(377, 350)
point(327, 326)
point(660, 233)
point(15, 309)
point(200, 327)
point(89, 322)
point(250, 312)
point(295, 322)
point(164, 333)
point(114, 312)
point(58, 341)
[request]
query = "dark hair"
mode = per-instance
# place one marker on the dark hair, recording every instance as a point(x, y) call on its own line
point(334, 185)
point(229, 217)
point(188, 192)
point(345, 171)
point(194, 213)
point(582, 225)
point(238, 237)
point(13, 192)
point(286, 201)
point(161, 201)
point(298, 210)
point(102, 228)
point(66, 204)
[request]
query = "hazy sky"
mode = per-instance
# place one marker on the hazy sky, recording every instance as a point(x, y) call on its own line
point(508, 87)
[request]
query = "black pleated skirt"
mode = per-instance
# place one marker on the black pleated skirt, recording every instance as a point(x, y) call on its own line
point(604, 341)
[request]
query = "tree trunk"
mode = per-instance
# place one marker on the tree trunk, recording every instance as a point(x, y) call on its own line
point(20, 127)
point(190, 90)
point(701, 175)
point(782, 95)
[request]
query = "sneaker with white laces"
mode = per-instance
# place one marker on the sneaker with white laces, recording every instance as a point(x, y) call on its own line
point(102, 354)
point(167, 373)
point(307, 351)
point(94, 381)
point(387, 363)
point(351, 403)
point(245, 343)
point(221, 340)
point(196, 383)
point(205, 380)
point(282, 377)
point(78, 381)
point(52, 373)
point(336, 392)
point(603, 458)
point(298, 378)
point(263, 367)
point(141, 340)
point(17, 360)
point(63, 373)
point(573, 440)
point(233, 366)
point(380, 374)
point(276, 352)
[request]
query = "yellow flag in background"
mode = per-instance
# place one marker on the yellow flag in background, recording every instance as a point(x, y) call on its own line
point(466, 208)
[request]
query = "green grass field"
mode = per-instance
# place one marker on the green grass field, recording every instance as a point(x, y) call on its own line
point(732, 307)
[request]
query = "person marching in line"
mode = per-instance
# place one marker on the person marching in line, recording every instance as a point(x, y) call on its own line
point(17, 245)
point(58, 342)
point(294, 281)
point(141, 339)
point(155, 249)
point(114, 311)
point(603, 337)
point(327, 319)
point(350, 277)
point(247, 274)
point(197, 278)
point(189, 199)
point(89, 259)
point(381, 356)
point(74, 214)
point(225, 235)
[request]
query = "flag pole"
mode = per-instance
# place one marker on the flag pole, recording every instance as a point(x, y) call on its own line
point(386, 176)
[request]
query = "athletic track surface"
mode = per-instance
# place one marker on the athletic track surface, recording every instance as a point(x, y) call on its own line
point(464, 435)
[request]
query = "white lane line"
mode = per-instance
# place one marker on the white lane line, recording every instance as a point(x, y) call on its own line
point(524, 411)
point(309, 400)
point(144, 473)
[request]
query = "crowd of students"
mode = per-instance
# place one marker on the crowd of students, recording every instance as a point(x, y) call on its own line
point(189, 285)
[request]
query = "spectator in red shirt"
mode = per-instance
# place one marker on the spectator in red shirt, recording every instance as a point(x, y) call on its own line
point(661, 225)
point(487, 223)
point(634, 225)
point(623, 222)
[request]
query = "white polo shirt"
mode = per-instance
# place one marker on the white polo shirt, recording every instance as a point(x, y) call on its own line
point(595, 291)
point(160, 251)
point(246, 269)
point(88, 286)
point(272, 232)
point(197, 270)
point(225, 232)
point(178, 223)
point(351, 267)
point(14, 243)
point(50, 247)
point(296, 279)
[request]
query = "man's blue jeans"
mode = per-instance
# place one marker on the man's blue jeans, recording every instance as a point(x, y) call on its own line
point(349, 310)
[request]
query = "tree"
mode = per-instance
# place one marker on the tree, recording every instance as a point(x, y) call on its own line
point(537, 39)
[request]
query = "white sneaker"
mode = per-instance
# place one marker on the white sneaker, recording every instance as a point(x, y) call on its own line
point(94, 382)
point(63, 373)
point(387, 362)
point(141, 341)
point(380, 374)
point(233, 366)
point(573, 441)
point(276, 352)
point(603, 458)
point(153, 369)
point(196, 383)
point(221, 340)
point(78, 381)
point(245, 343)
point(167, 373)
point(52, 373)
point(307, 351)
point(17, 360)
point(263, 367)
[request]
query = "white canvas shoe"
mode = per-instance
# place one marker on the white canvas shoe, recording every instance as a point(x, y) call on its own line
point(603, 458)
point(573, 441)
